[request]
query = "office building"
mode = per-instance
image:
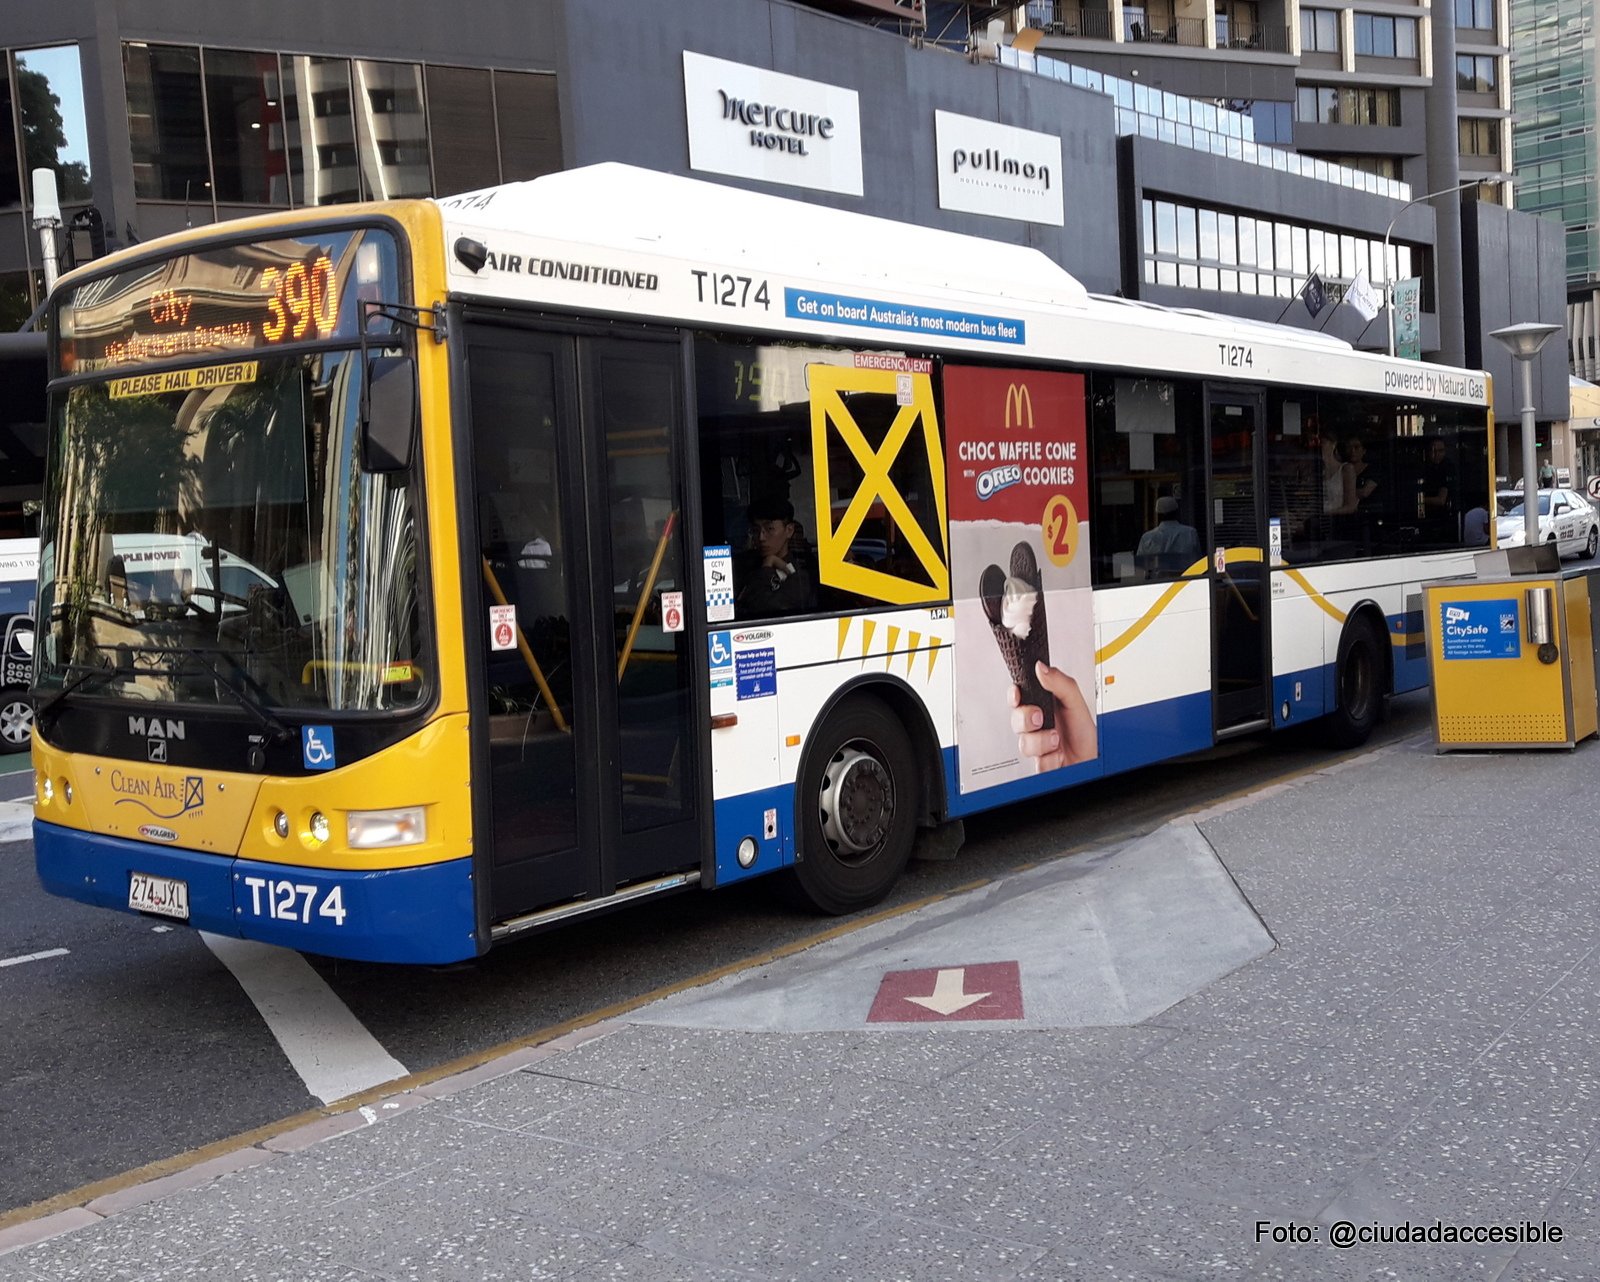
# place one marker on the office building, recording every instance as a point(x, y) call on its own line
point(1216, 166)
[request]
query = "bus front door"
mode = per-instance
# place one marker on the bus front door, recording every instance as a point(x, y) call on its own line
point(1240, 604)
point(584, 769)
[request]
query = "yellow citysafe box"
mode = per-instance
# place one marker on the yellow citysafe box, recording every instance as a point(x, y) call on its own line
point(1512, 662)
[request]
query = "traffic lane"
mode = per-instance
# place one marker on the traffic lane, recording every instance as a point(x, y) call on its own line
point(139, 1045)
point(430, 1017)
point(135, 1045)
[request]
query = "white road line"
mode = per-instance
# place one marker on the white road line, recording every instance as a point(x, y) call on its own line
point(329, 1047)
point(16, 820)
point(28, 957)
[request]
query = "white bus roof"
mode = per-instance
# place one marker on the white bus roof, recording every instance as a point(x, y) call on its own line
point(617, 239)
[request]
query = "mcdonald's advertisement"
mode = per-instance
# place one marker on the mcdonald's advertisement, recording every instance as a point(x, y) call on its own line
point(1016, 450)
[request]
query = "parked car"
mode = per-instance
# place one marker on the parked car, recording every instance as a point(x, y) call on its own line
point(1566, 518)
point(19, 568)
point(16, 670)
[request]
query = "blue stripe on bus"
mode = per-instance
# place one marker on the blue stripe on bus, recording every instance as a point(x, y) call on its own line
point(1316, 695)
point(744, 816)
point(423, 914)
point(1129, 739)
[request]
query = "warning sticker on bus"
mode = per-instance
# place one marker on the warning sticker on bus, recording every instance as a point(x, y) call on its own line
point(185, 380)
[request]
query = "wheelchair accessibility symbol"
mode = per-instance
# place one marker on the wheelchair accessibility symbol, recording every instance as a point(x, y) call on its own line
point(720, 652)
point(316, 747)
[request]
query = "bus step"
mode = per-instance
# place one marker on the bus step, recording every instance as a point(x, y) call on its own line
point(1247, 727)
point(586, 907)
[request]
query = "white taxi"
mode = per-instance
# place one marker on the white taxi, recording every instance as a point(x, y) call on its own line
point(1566, 518)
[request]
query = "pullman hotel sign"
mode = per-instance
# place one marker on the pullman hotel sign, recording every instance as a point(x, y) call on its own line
point(752, 123)
point(998, 170)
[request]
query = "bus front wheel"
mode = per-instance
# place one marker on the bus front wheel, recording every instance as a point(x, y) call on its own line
point(857, 799)
point(1359, 683)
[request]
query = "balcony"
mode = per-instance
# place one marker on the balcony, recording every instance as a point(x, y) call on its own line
point(1152, 24)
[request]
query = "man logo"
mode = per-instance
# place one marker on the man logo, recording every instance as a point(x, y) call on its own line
point(1019, 407)
point(158, 751)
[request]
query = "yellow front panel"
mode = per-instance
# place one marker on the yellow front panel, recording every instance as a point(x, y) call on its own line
point(233, 814)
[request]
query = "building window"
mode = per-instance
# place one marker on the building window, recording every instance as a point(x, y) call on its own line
point(1383, 166)
point(266, 129)
point(1319, 30)
point(166, 123)
point(1475, 74)
point(1347, 105)
point(1384, 37)
point(1479, 137)
point(1272, 121)
point(466, 153)
point(1214, 249)
point(391, 132)
point(245, 111)
point(530, 124)
point(1477, 15)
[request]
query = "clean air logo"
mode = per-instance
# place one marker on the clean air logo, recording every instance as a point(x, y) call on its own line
point(176, 797)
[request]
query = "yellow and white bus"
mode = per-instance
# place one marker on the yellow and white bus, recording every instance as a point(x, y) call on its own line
point(618, 533)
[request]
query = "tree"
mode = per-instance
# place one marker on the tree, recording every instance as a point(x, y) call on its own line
point(44, 134)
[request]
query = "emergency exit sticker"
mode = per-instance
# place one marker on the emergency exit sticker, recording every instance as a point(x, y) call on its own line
point(672, 611)
point(502, 627)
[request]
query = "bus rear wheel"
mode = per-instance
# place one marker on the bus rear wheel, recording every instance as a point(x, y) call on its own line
point(1359, 685)
point(856, 802)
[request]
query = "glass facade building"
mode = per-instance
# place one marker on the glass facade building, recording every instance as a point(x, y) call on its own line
point(1553, 104)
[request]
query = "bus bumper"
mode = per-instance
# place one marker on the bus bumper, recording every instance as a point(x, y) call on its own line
point(418, 915)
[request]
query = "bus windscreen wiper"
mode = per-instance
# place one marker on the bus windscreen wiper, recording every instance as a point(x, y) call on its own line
point(252, 701)
point(89, 676)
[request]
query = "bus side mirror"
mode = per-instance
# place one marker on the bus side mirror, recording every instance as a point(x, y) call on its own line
point(388, 413)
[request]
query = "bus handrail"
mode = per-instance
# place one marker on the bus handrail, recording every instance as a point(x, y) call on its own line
point(645, 593)
point(526, 651)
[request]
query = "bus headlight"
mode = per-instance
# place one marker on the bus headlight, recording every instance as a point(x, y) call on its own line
point(372, 829)
point(319, 827)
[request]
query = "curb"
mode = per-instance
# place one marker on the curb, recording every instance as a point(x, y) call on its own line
point(296, 1138)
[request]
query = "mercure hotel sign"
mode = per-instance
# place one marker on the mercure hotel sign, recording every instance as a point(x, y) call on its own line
point(752, 123)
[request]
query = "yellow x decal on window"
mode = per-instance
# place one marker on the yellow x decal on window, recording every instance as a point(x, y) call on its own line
point(831, 420)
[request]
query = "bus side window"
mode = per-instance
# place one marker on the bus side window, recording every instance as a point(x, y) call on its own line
point(1148, 481)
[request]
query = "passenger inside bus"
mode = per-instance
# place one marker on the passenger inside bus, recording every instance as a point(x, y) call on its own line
point(774, 575)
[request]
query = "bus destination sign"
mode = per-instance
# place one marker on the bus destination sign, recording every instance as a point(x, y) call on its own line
point(227, 300)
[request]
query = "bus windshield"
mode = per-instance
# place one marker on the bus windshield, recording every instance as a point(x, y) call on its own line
point(222, 538)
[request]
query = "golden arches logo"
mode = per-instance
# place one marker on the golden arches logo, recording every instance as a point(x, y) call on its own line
point(1019, 406)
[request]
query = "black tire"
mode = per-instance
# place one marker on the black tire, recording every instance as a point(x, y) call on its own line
point(855, 828)
point(1360, 684)
point(16, 722)
point(1593, 545)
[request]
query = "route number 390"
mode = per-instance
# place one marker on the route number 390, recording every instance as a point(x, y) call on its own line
point(294, 901)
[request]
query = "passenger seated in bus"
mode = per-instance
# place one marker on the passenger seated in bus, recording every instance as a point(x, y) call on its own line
point(1170, 547)
point(773, 576)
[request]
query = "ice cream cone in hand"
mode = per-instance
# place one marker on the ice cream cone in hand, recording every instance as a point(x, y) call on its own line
point(1014, 605)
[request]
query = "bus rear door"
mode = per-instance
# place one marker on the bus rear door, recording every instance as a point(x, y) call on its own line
point(1240, 629)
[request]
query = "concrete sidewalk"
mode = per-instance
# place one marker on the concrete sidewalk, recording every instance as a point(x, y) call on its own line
point(1421, 1047)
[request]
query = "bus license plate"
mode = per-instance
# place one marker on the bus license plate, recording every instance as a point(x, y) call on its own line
point(164, 895)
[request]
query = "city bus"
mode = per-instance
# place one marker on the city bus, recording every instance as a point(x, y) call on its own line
point(617, 533)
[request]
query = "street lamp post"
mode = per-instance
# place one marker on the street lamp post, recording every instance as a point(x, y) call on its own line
point(1523, 342)
point(1388, 274)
